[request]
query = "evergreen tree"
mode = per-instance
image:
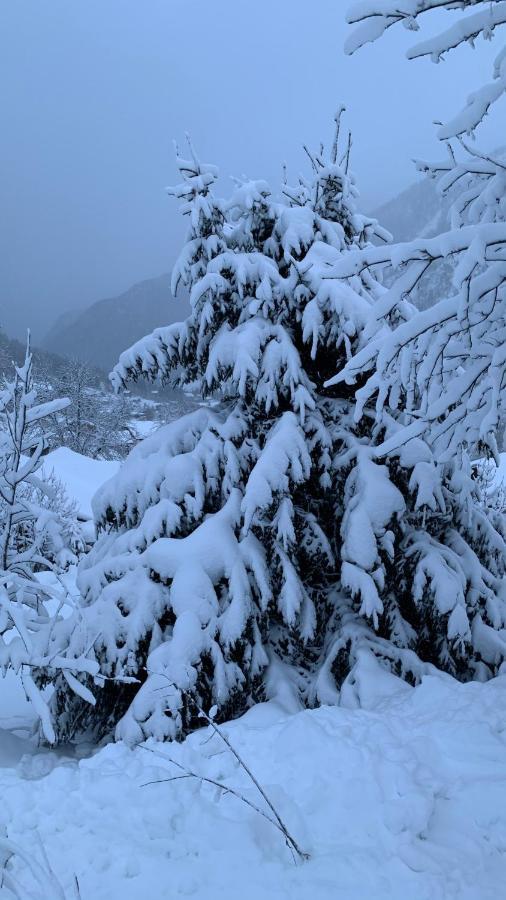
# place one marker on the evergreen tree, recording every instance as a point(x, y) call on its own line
point(218, 536)
point(295, 524)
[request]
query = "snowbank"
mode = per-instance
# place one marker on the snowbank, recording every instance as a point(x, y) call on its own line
point(81, 475)
point(499, 473)
point(143, 427)
point(407, 800)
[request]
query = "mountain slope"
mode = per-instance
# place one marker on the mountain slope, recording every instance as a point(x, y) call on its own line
point(47, 364)
point(419, 211)
point(99, 333)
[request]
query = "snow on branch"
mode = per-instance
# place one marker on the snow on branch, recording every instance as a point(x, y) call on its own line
point(374, 17)
point(447, 361)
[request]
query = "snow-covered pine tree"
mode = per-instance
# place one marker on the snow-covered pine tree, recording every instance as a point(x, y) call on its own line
point(217, 538)
point(33, 538)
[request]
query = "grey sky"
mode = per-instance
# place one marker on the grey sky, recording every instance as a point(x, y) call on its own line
point(93, 91)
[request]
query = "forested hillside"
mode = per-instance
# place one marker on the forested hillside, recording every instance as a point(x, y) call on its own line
point(98, 334)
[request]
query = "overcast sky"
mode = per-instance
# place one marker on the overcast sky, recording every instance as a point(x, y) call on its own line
point(92, 92)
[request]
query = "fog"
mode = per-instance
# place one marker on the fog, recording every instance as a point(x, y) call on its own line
point(92, 94)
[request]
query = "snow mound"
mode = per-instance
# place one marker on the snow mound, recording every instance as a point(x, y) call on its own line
point(498, 473)
point(407, 800)
point(81, 475)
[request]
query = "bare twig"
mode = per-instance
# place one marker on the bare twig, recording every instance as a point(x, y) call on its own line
point(277, 820)
point(188, 773)
point(290, 840)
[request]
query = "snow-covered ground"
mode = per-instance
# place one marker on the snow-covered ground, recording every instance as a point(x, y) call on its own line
point(406, 800)
point(143, 427)
point(81, 475)
point(402, 798)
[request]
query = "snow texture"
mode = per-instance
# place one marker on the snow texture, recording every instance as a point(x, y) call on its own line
point(446, 364)
point(405, 797)
point(81, 475)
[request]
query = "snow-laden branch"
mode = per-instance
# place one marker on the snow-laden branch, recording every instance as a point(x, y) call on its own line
point(445, 366)
point(374, 17)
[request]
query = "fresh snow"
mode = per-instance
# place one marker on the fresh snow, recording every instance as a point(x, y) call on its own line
point(143, 427)
point(80, 475)
point(403, 798)
point(498, 473)
point(220, 537)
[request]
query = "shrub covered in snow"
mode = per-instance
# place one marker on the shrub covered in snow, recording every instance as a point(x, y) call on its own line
point(34, 536)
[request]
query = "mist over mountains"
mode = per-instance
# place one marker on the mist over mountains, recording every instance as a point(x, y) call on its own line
point(418, 211)
point(99, 333)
